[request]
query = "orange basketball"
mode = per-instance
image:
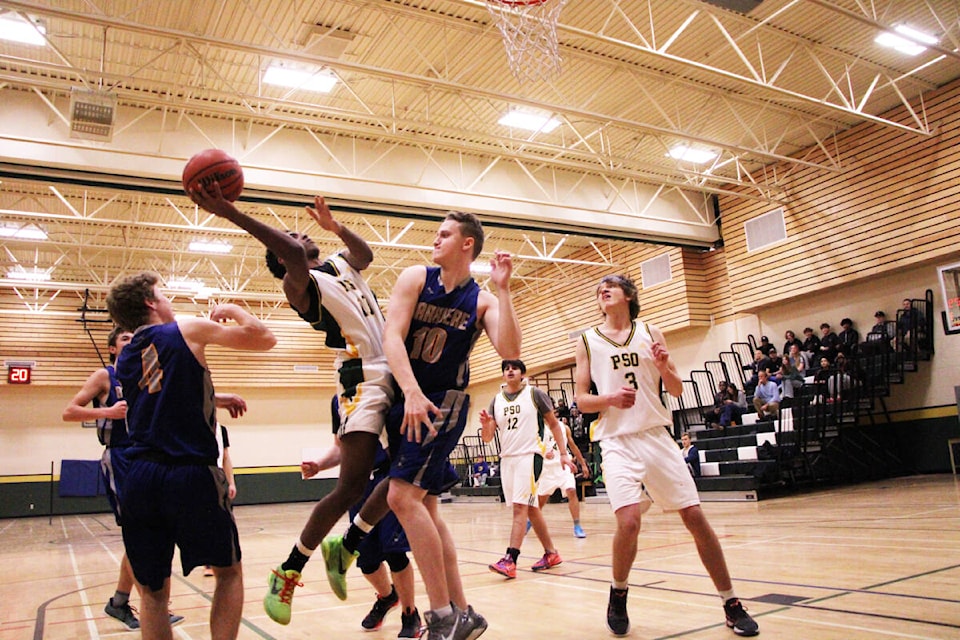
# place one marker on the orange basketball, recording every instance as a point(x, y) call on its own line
point(214, 165)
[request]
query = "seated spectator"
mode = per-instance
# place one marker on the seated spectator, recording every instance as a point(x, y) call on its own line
point(791, 339)
point(712, 416)
point(766, 398)
point(841, 378)
point(765, 345)
point(880, 330)
point(734, 407)
point(909, 323)
point(772, 364)
point(798, 359)
point(690, 455)
point(849, 338)
point(811, 346)
point(753, 367)
point(829, 342)
point(791, 378)
point(481, 471)
point(820, 381)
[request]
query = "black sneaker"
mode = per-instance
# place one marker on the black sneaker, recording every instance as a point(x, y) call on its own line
point(374, 619)
point(124, 613)
point(410, 626)
point(739, 620)
point(617, 619)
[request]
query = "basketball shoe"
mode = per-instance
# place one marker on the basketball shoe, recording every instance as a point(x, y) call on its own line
point(506, 567)
point(278, 602)
point(549, 559)
point(374, 619)
point(338, 560)
point(739, 620)
point(410, 626)
point(617, 619)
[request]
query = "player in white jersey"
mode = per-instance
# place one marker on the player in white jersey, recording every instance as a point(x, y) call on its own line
point(333, 297)
point(628, 361)
point(556, 476)
point(519, 411)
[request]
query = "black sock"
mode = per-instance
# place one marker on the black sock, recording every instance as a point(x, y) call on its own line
point(296, 561)
point(513, 553)
point(353, 537)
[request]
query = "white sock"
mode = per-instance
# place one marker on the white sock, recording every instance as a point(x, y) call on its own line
point(362, 524)
point(727, 595)
point(305, 551)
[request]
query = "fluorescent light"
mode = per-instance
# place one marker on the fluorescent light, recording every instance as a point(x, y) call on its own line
point(696, 156)
point(481, 268)
point(28, 232)
point(33, 275)
point(185, 285)
point(909, 42)
point(16, 29)
point(529, 121)
point(282, 76)
point(210, 247)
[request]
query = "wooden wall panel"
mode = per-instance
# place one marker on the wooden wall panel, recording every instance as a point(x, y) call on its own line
point(895, 203)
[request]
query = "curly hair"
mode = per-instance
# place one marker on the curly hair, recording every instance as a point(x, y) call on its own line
point(127, 300)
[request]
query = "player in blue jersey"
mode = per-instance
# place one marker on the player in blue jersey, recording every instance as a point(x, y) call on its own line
point(436, 315)
point(332, 296)
point(174, 493)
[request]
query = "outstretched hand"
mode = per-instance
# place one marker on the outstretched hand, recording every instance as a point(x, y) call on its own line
point(501, 267)
point(322, 215)
point(210, 198)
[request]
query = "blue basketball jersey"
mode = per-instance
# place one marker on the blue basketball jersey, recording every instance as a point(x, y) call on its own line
point(171, 409)
point(442, 333)
point(112, 433)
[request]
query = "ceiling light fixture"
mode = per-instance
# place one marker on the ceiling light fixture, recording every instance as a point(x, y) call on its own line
point(530, 121)
point(689, 154)
point(213, 246)
point(28, 232)
point(185, 285)
point(285, 76)
point(481, 268)
point(910, 41)
point(32, 275)
point(16, 29)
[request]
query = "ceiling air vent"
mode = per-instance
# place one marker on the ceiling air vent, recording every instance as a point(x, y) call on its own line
point(741, 6)
point(655, 271)
point(766, 230)
point(91, 115)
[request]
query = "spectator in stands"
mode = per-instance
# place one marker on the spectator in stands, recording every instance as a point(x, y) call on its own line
point(562, 411)
point(820, 381)
point(481, 471)
point(733, 407)
point(791, 378)
point(849, 338)
point(880, 330)
point(791, 340)
point(754, 368)
point(712, 416)
point(765, 345)
point(798, 359)
point(909, 323)
point(772, 364)
point(811, 346)
point(766, 398)
point(829, 342)
point(690, 455)
point(841, 378)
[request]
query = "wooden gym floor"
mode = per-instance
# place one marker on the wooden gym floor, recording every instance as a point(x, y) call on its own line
point(879, 560)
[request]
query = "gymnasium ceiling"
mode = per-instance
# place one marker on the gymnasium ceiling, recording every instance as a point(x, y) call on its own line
point(410, 128)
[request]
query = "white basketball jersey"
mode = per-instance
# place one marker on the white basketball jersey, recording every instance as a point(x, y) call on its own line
point(613, 366)
point(519, 422)
point(550, 444)
point(347, 300)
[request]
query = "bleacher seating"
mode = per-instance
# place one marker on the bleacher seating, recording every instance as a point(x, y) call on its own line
point(828, 433)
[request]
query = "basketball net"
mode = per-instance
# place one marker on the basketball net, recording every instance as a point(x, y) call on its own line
point(529, 30)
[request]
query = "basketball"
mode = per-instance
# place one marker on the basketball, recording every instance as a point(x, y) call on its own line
point(214, 165)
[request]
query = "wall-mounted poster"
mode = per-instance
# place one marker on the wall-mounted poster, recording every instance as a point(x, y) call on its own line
point(950, 288)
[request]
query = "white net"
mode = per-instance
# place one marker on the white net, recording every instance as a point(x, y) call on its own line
point(529, 30)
